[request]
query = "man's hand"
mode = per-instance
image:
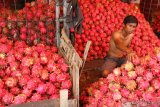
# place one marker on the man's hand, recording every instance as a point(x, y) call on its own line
point(128, 51)
point(131, 56)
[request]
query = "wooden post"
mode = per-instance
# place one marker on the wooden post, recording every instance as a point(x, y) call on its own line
point(86, 50)
point(77, 84)
point(63, 98)
point(85, 56)
point(57, 23)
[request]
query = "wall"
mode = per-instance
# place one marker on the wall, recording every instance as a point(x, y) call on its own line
point(147, 7)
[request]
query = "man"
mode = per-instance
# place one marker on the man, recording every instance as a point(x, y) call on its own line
point(74, 19)
point(74, 16)
point(119, 50)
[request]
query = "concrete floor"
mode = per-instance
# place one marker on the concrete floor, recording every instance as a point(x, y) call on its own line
point(89, 75)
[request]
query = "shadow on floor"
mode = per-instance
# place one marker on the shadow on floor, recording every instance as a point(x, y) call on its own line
point(89, 75)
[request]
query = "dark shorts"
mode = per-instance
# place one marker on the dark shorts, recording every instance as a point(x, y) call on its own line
point(112, 62)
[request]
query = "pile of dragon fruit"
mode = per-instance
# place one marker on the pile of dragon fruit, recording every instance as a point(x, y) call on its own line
point(32, 24)
point(136, 82)
point(29, 74)
point(102, 17)
point(38, 72)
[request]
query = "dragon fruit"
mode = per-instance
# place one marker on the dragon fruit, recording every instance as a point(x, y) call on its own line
point(19, 99)
point(8, 98)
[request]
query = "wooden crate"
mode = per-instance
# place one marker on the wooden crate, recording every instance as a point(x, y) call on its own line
point(62, 102)
point(46, 103)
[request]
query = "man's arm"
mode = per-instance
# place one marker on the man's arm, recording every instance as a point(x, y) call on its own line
point(129, 40)
point(119, 42)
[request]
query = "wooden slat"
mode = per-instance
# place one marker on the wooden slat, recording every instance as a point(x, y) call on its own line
point(64, 98)
point(47, 103)
point(69, 53)
point(85, 56)
point(77, 84)
point(86, 50)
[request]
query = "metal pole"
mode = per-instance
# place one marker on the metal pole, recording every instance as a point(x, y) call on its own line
point(15, 35)
point(57, 23)
point(15, 5)
point(4, 5)
point(65, 5)
point(26, 24)
point(46, 24)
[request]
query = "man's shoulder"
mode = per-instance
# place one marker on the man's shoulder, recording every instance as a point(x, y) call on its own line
point(117, 33)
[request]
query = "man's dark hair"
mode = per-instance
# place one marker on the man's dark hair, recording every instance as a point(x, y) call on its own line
point(130, 19)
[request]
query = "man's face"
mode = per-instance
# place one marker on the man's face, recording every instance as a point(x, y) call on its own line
point(130, 27)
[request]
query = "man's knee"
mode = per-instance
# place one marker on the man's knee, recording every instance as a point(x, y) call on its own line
point(105, 73)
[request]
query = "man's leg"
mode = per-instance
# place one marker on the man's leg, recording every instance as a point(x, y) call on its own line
point(121, 61)
point(105, 73)
point(108, 67)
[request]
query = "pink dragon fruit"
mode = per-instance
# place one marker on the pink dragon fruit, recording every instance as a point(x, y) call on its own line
point(124, 92)
point(111, 77)
point(51, 66)
point(114, 86)
point(97, 94)
point(36, 97)
point(56, 57)
point(15, 90)
point(104, 88)
point(110, 102)
point(148, 96)
point(64, 67)
point(1, 84)
point(138, 93)
point(117, 96)
point(132, 74)
point(61, 77)
point(52, 89)
point(23, 80)
point(2, 92)
point(148, 76)
point(42, 88)
point(67, 84)
point(44, 74)
point(52, 77)
point(11, 82)
point(31, 84)
point(131, 85)
point(156, 83)
point(139, 70)
point(7, 98)
point(143, 85)
point(117, 71)
point(26, 71)
point(19, 99)
point(27, 92)
point(54, 96)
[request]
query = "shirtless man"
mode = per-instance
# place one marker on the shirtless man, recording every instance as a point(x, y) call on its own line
point(119, 51)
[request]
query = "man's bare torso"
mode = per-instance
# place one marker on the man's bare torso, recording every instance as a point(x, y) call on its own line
point(114, 51)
